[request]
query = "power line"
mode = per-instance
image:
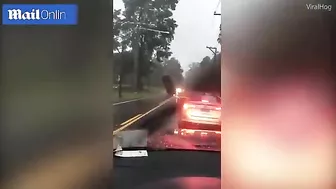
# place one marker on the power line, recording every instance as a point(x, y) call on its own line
point(215, 13)
point(214, 51)
point(217, 5)
point(154, 30)
point(136, 44)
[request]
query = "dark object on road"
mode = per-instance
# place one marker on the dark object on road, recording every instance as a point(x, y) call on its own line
point(168, 84)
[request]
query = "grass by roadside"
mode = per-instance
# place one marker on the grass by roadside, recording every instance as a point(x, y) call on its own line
point(129, 94)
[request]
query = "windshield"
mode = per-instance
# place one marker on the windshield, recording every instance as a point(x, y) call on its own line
point(167, 140)
point(173, 44)
point(199, 97)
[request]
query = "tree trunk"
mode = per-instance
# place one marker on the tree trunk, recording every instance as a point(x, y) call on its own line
point(139, 84)
point(120, 85)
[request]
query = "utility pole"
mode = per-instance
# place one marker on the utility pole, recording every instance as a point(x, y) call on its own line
point(215, 13)
point(120, 75)
point(136, 47)
point(218, 14)
point(214, 51)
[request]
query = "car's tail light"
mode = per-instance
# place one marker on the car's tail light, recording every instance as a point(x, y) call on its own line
point(194, 113)
point(188, 106)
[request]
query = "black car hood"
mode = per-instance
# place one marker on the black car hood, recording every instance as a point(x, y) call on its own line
point(185, 183)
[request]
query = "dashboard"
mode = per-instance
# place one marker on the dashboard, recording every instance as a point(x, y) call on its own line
point(178, 169)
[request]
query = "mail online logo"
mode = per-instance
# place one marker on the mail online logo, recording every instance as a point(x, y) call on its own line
point(39, 14)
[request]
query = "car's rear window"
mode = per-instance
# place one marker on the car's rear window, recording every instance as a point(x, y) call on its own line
point(207, 97)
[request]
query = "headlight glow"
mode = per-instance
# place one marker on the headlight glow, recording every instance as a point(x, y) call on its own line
point(178, 90)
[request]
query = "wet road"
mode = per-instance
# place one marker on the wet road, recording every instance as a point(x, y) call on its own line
point(124, 111)
point(156, 130)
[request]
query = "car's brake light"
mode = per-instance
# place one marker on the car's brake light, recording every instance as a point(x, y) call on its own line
point(218, 108)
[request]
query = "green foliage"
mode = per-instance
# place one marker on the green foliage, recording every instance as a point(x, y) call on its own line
point(205, 62)
point(193, 70)
point(146, 16)
point(172, 67)
point(116, 28)
point(149, 25)
point(123, 62)
point(204, 75)
point(157, 72)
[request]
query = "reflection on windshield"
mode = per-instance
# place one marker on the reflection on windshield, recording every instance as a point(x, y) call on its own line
point(179, 139)
point(156, 41)
point(187, 139)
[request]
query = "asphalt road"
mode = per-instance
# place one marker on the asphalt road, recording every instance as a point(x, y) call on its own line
point(157, 126)
point(124, 111)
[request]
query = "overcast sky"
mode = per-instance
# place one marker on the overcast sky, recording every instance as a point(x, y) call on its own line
point(198, 27)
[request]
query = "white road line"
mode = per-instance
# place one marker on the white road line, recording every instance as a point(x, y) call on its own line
point(124, 102)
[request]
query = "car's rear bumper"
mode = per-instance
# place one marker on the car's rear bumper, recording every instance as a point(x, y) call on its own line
point(199, 125)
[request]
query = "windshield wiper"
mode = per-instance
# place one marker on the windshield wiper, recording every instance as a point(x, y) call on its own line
point(140, 148)
point(198, 147)
point(206, 146)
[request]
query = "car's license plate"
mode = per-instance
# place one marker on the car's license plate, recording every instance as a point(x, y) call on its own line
point(205, 110)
